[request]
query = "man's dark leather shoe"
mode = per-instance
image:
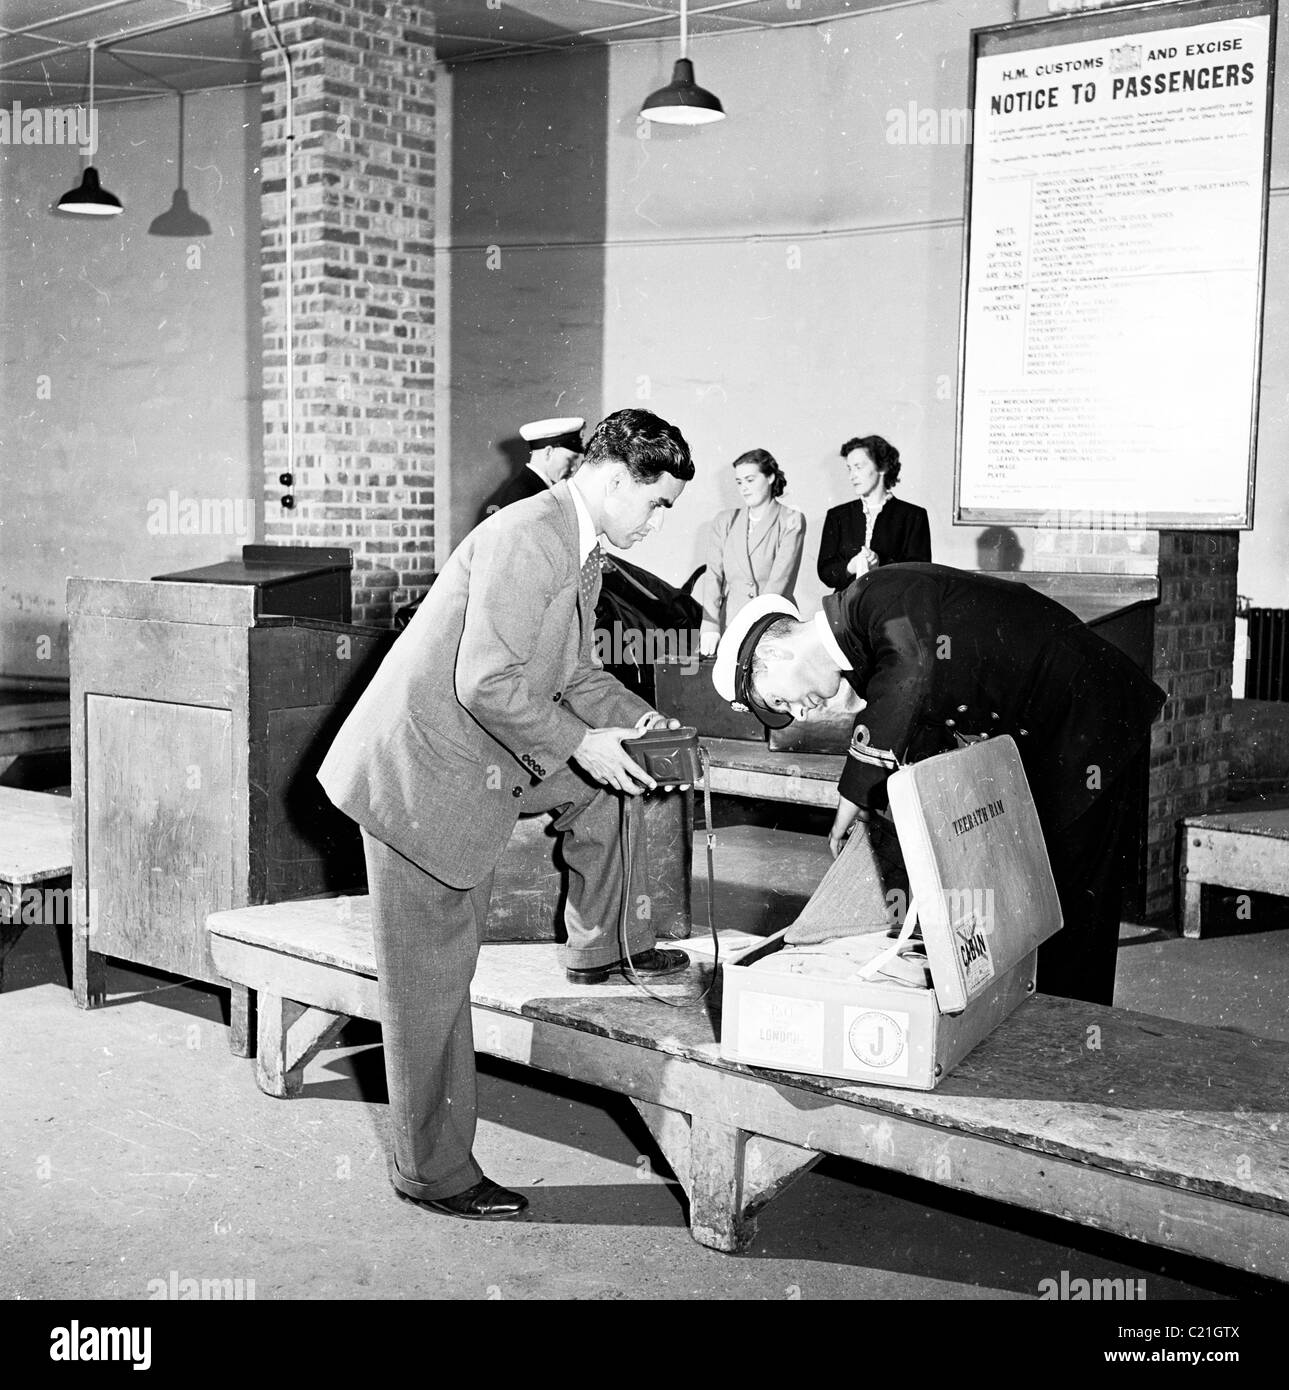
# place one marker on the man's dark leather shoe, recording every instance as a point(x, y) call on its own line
point(649, 965)
point(485, 1201)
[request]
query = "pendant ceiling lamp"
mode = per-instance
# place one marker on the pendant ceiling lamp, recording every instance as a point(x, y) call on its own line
point(90, 198)
point(682, 101)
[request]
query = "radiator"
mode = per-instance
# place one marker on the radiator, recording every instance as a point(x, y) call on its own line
point(1266, 674)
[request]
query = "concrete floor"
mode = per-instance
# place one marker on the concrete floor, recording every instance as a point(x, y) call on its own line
point(134, 1148)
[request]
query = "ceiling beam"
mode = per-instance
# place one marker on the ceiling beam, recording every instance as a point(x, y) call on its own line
point(115, 50)
point(105, 45)
point(74, 15)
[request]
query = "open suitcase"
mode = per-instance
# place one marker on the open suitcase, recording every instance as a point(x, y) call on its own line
point(982, 896)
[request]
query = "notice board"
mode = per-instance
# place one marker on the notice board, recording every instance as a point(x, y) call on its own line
point(1109, 351)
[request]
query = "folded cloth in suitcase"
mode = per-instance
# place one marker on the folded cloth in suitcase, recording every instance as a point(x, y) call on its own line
point(845, 958)
point(866, 888)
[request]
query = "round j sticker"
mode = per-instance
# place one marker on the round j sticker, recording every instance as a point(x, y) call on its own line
point(876, 1040)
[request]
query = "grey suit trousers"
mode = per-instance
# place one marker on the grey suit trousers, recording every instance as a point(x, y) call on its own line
point(427, 938)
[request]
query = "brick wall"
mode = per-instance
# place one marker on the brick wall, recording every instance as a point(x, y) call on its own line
point(1194, 652)
point(364, 288)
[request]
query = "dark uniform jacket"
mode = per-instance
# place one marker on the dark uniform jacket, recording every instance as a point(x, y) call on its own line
point(901, 532)
point(525, 483)
point(940, 653)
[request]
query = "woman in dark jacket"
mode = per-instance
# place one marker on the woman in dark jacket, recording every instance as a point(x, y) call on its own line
point(877, 529)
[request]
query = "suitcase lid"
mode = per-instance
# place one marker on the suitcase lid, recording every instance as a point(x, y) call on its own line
point(977, 865)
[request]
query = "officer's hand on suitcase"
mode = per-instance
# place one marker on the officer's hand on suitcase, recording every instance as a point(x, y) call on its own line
point(601, 755)
point(848, 814)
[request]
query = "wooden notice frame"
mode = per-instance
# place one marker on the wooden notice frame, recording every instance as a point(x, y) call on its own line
point(1109, 347)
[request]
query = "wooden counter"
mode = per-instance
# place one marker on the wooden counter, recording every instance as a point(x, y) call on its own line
point(197, 726)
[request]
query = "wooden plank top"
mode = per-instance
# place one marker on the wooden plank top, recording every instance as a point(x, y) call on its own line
point(222, 605)
point(34, 724)
point(763, 879)
point(748, 756)
point(1200, 1109)
point(35, 836)
point(1273, 824)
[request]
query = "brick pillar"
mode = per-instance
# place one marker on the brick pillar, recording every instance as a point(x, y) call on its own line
point(1194, 654)
point(364, 287)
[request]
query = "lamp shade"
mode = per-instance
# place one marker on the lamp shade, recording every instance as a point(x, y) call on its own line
point(90, 199)
point(179, 219)
point(682, 101)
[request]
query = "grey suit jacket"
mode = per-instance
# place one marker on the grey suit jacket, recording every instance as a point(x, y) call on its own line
point(487, 691)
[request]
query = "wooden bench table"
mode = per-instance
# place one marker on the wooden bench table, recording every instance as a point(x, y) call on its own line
point(35, 853)
point(1163, 1132)
point(1232, 849)
point(740, 767)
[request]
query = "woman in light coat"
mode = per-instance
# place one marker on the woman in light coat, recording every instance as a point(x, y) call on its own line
point(753, 549)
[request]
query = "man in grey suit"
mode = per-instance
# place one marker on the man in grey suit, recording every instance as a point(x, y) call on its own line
point(490, 704)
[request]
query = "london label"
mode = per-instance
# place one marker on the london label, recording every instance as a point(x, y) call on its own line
point(789, 1031)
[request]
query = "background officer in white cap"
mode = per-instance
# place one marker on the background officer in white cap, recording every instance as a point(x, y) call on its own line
point(941, 657)
point(555, 447)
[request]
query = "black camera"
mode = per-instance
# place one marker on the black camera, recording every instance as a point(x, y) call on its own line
point(669, 756)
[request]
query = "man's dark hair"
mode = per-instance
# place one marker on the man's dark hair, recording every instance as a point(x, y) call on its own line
point(885, 456)
point(644, 442)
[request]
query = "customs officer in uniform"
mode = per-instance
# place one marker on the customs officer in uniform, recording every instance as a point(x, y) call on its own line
point(941, 657)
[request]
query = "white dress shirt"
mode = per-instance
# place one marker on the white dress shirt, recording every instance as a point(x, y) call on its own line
point(586, 537)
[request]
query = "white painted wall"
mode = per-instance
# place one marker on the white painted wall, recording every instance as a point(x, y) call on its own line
point(129, 367)
point(784, 279)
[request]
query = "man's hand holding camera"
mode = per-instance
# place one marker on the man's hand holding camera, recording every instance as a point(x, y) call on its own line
point(601, 756)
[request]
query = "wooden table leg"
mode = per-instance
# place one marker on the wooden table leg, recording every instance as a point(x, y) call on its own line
point(1192, 906)
point(274, 1016)
point(241, 1021)
point(89, 973)
point(716, 1185)
point(288, 1036)
point(10, 930)
point(729, 1174)
point(11, 923)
